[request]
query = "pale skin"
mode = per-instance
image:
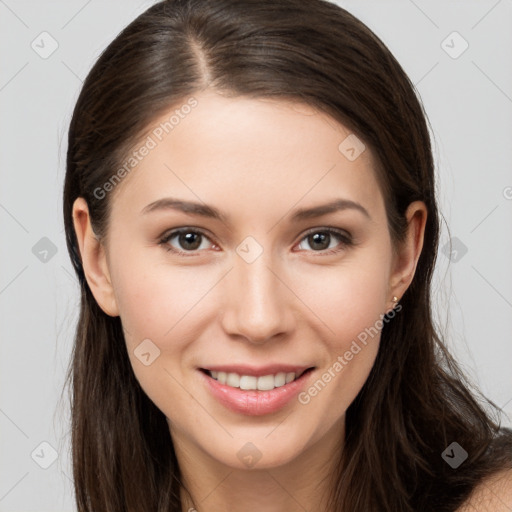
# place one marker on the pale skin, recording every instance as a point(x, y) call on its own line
point(257, 162)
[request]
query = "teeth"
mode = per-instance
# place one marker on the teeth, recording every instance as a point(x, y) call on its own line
point(290, 377)
point(264, 383)
point(233, 380)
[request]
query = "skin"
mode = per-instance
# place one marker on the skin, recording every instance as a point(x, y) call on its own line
point(494, 494)
point(257, 161)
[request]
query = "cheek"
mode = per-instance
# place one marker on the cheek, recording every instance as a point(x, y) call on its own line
point(350, 302)
point(154, 299)
point(159, 307)
point(347, 298)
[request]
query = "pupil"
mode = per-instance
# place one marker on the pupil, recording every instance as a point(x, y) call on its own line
point(320, 238)
point(187, 240)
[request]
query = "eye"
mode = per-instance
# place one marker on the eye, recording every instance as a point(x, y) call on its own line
point(320, 240)
point(189, 240)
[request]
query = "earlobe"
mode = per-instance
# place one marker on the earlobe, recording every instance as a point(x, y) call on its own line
point(409, 251)
point(94, 261)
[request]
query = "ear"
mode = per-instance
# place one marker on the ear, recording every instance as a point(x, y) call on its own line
point(408, 252)
point(94, 260)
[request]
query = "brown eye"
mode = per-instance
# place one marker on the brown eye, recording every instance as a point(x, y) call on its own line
point(324, 240)
point(190, 241)
point(185, 240)
point(320, 241)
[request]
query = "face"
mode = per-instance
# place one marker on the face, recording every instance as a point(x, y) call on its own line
point(273, 279)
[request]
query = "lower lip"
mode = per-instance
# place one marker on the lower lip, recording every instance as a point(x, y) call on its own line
point(252, 402)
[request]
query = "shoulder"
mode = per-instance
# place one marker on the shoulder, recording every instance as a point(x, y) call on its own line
point(493, 494)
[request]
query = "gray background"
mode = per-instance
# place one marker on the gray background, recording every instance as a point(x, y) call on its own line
point(467, 96)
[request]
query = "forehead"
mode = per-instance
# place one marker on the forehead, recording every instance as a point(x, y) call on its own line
point(233, 151)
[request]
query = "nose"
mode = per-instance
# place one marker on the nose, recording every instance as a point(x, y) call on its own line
point(257, 302)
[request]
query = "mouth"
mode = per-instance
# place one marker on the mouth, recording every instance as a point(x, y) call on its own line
point(256, 395)
point(248, 382)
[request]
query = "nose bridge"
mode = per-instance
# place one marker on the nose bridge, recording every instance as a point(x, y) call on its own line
point(257, 308)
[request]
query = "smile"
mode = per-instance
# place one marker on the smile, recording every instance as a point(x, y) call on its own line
point(250, 382)
point(242, 393)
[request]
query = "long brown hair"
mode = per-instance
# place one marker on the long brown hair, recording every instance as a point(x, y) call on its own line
point(416, 401)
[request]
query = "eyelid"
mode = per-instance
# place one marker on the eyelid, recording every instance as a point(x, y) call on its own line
point(184, 229)
point(328, 229)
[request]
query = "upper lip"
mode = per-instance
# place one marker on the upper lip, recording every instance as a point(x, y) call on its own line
point(259, 371)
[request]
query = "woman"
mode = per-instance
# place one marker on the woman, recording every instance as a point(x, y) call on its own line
point(250, 208)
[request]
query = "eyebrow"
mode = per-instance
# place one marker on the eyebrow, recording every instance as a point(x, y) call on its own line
point(169, 203)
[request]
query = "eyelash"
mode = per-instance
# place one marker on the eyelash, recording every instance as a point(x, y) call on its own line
point(345, 238)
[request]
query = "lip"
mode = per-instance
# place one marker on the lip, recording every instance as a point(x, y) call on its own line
point(260, 371)
point(254, 402)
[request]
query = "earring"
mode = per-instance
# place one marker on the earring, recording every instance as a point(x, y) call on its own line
point(395, 299)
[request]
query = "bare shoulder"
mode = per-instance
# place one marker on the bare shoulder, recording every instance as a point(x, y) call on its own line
point(494, 494)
